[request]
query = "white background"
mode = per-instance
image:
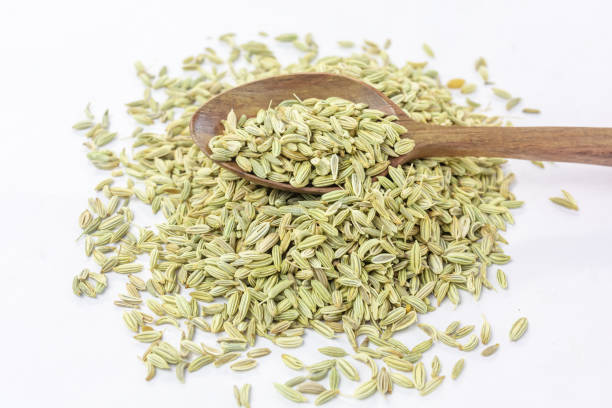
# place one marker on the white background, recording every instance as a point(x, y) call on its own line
point(60, 350)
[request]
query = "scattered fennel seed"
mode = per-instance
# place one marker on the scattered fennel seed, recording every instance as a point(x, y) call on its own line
point(310, 388)
point(512, 103)
point(455, 83)
point(518, 329)
point(490, 350)
point(501, 93)
point(365, 390)
point(292, 362)
point(468, 88)
point(472, 103)
point(458, 369)
point(242, 395)
point(258, 352)
point(431, 385)
point(326, 396)
point(483, 71)
point(485, 331)
point(290, 393)
point(567, 201)
point(289, 37)
point(502, 280)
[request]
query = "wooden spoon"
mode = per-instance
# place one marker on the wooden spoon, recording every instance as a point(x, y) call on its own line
point(567, 144)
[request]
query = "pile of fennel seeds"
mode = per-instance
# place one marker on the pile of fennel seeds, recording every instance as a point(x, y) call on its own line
point(405, 243)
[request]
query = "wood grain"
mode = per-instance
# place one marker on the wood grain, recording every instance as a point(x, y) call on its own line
point(569, 144)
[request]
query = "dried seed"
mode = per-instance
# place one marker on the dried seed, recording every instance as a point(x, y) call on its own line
point(347, 369)
point(431, 385)
point(490, 350)
point(295, 381)
point(326, 396)
point(200, 362)
point(452, 327)
point(180, 371)
point(418, 376)
point(518, 329)
point(318, 375)
point(290, 393)
point(365, 390)
point(310, 388)
point(472, 103)
point(401, 380)
point(383, 382)
point(457, 368)
point(332, 351)
point(334, 378)
point(82, 125)
point(148, 336)
point(157, 361)
point(292, 362)
point(323, 365)
point(398, 363)
point(501, 279)
point(462, 332)
point(150, 371)
point(512, 103)
point(245, 395)
point(485, 331)
point(455, 83)
point(471, 344)
point(423, 346)
point(567, 201)
point(286, 37)
point(244, 365)
point(226, 358)
point(501, 93)
point(468, 89)
point(258, 352)
point(428, 50)
point(237, 396)
point(289, 342)
point(435, 367)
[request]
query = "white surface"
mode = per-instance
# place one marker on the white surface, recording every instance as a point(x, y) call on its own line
point(59, 350)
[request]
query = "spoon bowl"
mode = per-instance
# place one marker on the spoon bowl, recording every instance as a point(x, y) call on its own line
point(248, 98)
point(583, 145)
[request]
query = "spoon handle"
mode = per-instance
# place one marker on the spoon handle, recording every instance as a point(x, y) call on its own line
point(564, 144)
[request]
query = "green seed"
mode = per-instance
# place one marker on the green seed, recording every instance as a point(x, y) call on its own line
point(286, 37)
point(501, 93)
point(490, 350)
point(290, 393)
point(518, 329)
point(326, 396)
point(458, 368)
point(431, 385)
point(428, 50)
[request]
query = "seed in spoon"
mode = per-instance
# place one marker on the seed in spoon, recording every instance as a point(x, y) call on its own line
point(318, 142)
